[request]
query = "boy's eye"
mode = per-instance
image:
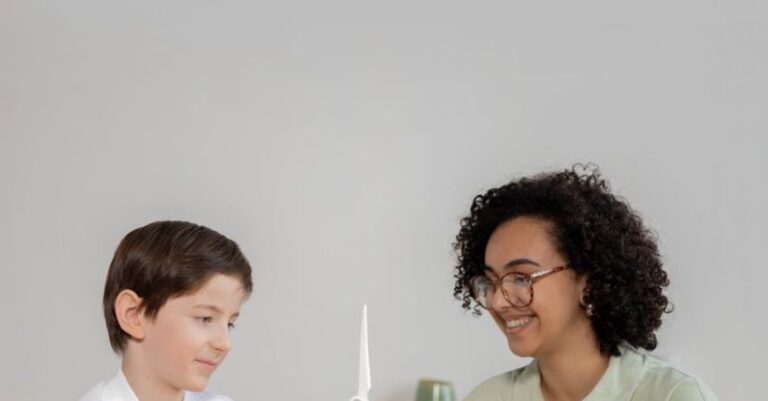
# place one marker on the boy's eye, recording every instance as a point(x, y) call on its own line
point(205, 319)
point(231, 326)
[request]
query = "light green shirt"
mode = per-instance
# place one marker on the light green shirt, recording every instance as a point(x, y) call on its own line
point(630, 377)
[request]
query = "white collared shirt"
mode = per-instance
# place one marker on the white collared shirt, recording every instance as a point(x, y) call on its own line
point(118, 389)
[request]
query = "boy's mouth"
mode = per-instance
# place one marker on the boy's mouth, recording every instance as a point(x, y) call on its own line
point(207, 365)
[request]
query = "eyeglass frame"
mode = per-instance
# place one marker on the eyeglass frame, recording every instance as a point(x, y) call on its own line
point(529, 278)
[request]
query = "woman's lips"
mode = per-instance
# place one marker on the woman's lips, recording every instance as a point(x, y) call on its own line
point(515, 326)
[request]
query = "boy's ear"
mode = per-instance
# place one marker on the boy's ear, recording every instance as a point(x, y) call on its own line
point(129, 314)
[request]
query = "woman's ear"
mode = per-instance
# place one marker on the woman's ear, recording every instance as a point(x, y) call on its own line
point(581, 285)
point(129, 314)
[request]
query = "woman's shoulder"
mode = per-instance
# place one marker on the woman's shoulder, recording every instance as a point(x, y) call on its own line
point(661, 380)
point(519, 381)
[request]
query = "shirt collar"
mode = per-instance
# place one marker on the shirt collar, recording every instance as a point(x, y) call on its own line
point(530, 381)
point(620, 379)
point(118, 389)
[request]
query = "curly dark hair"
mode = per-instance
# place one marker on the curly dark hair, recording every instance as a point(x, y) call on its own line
point(597, 233)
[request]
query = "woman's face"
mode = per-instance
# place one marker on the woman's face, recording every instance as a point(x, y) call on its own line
point(555, 319)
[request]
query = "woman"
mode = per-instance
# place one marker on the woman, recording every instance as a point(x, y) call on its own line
point(574, 280)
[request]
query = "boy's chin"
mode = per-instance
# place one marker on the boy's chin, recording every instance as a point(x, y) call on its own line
point(197, 384)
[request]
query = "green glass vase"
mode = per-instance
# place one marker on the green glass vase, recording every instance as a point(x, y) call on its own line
point(435, 390)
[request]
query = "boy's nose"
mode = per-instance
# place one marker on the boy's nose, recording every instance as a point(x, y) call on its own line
point(221, 341)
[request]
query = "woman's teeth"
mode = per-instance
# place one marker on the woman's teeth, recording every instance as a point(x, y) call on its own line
point(518, 322)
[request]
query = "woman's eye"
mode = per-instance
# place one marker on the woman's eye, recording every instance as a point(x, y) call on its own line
point(520, 280)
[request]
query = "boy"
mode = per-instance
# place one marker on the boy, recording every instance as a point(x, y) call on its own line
point(173, 292)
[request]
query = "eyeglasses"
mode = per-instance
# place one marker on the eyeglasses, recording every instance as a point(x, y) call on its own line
point(517, 288)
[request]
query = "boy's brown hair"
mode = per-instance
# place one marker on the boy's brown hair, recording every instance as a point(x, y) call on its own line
point(164, 260)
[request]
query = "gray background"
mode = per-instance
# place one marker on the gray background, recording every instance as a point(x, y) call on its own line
point(340, 142)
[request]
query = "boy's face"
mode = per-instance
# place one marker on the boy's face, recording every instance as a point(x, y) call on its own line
point(189, 337)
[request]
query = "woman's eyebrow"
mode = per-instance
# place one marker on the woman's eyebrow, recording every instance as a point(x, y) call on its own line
point(517, 262)
point(514, 263)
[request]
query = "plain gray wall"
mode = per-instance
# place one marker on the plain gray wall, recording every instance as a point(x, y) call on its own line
point(340, 142)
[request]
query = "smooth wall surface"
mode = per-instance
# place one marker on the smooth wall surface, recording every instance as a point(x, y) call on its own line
point(339, 143)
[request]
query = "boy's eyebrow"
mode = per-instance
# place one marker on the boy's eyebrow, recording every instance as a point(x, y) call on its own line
point(215, 309)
